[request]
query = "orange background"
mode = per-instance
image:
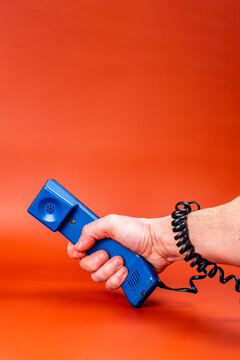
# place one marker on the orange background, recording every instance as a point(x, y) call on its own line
point(133, 106)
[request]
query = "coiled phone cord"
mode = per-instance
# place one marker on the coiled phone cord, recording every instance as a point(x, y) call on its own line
point(179, 223)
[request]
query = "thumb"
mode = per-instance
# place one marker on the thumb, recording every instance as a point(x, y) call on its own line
point(96, 230)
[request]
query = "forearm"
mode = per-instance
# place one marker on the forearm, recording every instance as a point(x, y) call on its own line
point(214, 232)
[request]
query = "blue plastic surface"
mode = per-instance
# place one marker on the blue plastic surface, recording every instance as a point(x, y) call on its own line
point(60, 211)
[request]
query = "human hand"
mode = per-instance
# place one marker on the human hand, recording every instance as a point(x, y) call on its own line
point(138, 234)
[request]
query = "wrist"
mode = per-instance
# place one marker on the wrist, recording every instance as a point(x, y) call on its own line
point(163, 239)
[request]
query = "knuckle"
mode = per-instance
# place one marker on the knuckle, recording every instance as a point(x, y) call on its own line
point(101, 256)
point(112, 217)
point(96, 277)
point(102, 275)
point(116, 280)
point(108, 285)
point(81, 263)
point(84, 264)
point(73, 254)
point(116, 261)
point(93, 262)
point(124, 272)
point(99, 260)
point(112, 283)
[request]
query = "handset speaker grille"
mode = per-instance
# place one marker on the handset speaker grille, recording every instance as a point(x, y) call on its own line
point(135, 281)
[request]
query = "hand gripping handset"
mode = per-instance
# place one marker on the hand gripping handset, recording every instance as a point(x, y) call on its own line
point(60, 211)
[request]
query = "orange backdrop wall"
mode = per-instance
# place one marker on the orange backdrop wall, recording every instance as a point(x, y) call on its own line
point(133, 106)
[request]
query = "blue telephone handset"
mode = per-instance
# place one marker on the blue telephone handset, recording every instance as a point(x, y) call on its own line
point(60, 211)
